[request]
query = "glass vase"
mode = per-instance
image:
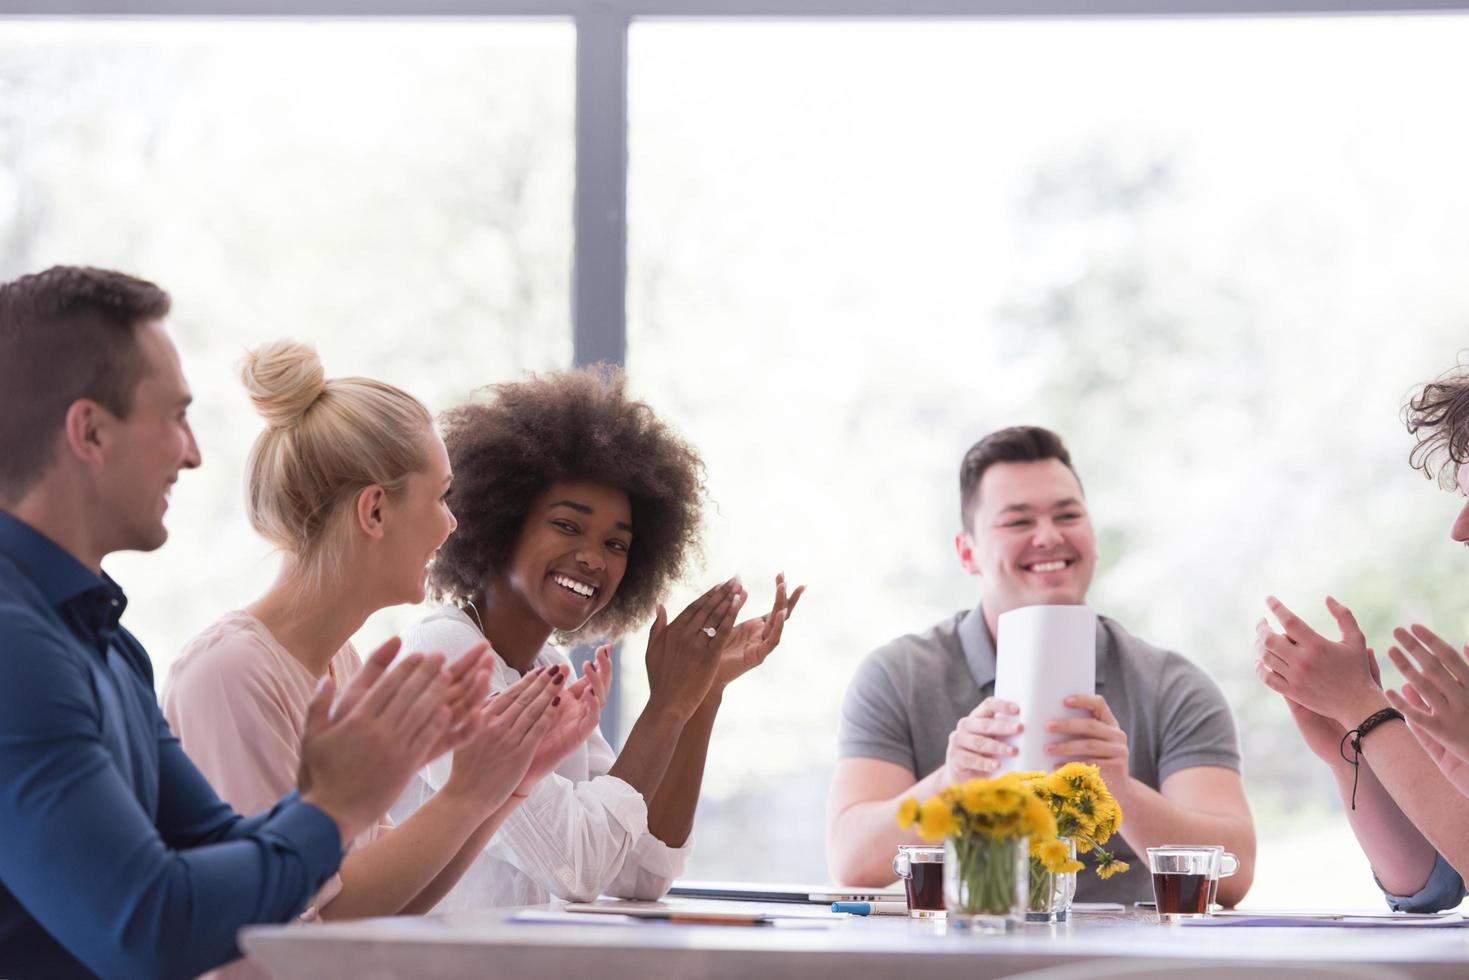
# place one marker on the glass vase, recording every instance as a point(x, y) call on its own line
point(986, 882)
point(1051, 892)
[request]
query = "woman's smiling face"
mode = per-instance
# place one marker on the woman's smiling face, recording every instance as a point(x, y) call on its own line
point(572, 552)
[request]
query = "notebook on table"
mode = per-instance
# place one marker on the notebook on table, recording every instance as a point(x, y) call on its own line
point(750, 891)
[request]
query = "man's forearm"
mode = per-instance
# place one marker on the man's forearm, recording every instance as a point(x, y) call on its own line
point(863, 839)
point(1150, 819)
point(1398, 776)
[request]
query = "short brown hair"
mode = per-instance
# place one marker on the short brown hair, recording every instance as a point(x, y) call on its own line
point(1438, 414)
point(507, 448)
point(1017, 444)
point(65, 334)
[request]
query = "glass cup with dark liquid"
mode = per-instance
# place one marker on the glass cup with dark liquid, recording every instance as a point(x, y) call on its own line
point(1181, 880)
point(1222, 865)
point(921, 866)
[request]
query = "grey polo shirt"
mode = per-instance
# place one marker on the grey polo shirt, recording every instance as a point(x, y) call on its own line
point(909, 694)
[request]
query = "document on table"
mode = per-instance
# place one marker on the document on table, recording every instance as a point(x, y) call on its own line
point(1339, 920)
point(1044, 654)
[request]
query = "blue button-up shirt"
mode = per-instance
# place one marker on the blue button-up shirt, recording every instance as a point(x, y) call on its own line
point(116, 857)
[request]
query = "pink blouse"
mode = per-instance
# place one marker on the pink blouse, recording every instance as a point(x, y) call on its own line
point(237, 701)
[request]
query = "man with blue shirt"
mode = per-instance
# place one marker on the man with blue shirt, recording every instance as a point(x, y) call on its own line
point(118, 860)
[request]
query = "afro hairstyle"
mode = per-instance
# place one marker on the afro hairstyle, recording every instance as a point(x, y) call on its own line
point(512, 441)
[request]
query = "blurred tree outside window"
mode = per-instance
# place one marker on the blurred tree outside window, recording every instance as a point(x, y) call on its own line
point(397, 193)
point(1213, 254)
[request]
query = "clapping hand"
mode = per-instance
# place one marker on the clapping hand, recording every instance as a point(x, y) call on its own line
point(754, 639)
point(1323, 735)
point(359, 753)
point(469, 685)
point(685, 655)
point(1331, 678)
point(508, 728)
point(577, 715)
point(1435, 699)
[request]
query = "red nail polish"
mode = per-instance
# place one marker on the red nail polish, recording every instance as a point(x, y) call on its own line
point(556, 700)
point(558, 678)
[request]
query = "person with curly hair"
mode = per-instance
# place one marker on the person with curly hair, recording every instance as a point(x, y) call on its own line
point(578, 509)
point(1400, 758)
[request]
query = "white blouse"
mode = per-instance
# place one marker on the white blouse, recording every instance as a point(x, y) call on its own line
point(581, 832)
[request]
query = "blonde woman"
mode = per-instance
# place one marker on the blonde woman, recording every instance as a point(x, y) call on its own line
point(349, 481)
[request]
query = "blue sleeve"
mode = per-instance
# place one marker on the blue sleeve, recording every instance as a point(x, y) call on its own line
point(190, 812)
point(124, 895)
point(1444, 890)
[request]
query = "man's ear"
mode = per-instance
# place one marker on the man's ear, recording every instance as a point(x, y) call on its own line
point(370, 502)
point(964, 548)
point(87, 431)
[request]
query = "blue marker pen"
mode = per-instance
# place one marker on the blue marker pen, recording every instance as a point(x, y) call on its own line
point(871, 908)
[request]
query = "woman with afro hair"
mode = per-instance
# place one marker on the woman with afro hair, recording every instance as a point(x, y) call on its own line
point(577, 510)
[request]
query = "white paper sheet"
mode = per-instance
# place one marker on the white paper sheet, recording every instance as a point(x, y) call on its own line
point(1442, 920)
point(1043, 655)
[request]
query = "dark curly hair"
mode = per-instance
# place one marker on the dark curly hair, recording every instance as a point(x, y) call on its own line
point(1438, 414)
point(515, 440)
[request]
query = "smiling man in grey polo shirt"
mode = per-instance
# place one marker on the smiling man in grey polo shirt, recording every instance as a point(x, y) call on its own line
point(921, 713)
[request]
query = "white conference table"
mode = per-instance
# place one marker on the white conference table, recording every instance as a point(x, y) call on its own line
point(829, 947)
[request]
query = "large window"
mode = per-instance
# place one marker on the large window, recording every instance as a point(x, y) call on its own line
point(1213, 254)
point(397, 193)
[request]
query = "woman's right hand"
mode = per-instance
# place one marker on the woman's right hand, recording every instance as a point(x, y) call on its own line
point(683, 659)
point(576, 718)
point(509, 727)
point(1322, 735)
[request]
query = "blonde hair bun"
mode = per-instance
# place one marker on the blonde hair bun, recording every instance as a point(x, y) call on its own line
point(284, 378)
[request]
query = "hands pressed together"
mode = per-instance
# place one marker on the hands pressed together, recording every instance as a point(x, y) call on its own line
point(693, 658)
point(361, 748)
point(1333, 686)
point(359, 753)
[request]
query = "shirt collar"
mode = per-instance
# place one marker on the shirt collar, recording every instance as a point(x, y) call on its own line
point(52, 570)
point(979, 649)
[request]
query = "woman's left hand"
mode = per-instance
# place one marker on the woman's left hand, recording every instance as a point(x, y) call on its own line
point(577, 713)
point(754, 639)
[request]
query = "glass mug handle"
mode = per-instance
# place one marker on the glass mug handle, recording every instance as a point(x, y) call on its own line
point(902, 867)
point(1228, 864)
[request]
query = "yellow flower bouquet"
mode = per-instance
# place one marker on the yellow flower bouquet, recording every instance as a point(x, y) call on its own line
point(1087, 815)
point(991, 873)
point(984, 824)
